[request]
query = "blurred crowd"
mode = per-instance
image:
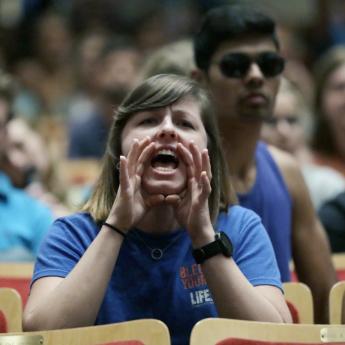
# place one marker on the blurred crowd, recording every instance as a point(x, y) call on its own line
point(67, 64)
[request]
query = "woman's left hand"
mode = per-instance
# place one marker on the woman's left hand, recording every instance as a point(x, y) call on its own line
point(191, 207)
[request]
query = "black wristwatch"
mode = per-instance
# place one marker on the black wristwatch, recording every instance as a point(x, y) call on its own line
point(221, 245)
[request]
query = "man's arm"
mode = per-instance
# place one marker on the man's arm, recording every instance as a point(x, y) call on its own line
point(310, 247)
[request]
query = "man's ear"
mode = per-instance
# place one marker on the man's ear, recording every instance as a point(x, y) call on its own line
point(198, 75)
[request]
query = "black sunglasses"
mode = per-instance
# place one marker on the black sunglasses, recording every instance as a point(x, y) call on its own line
point(236, 65)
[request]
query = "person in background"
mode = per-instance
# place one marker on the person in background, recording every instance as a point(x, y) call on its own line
point(116, 73)
point(332, 216)
point(23, 220)
point(161, 236)
point(237, 58)
point(328, 141)
point(46, 77)
point(290, 130)
point(32, 168)
point(173, 58)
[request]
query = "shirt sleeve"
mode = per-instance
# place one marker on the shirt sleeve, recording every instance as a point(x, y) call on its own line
point(62, 248)
point(253, 251)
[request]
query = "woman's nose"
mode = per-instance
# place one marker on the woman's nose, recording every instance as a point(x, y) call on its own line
point(167, 133)
point(167, 130)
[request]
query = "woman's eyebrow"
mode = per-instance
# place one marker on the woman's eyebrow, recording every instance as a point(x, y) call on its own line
point(184, 112)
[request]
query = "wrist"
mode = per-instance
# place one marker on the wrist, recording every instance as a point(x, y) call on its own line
point(116, 229)
point(115, 222)
point(202, 237)
point(220, 245)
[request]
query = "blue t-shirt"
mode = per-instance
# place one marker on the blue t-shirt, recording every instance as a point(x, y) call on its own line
point(172, 289)
point(23, 223)
point(270, 199)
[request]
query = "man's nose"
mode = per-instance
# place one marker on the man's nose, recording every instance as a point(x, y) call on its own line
point(254, 74)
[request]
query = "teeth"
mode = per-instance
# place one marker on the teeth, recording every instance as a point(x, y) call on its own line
point(166, 152)
point(164, 168)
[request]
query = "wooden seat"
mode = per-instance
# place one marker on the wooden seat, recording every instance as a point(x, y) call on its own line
point(10, 311)
point(217, 331)
point(139, 332)
point(300, 298)
point(17, 276)
point(339, 264)
point(337, 303)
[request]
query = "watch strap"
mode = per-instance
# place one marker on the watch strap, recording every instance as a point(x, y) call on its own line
point(214, 248)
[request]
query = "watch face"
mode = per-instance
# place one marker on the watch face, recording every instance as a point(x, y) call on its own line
point(226, 244)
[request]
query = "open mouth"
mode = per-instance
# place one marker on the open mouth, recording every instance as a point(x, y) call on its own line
point(165, 160)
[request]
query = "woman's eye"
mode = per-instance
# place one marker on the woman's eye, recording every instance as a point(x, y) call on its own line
point(148, 121)
point(187, 124)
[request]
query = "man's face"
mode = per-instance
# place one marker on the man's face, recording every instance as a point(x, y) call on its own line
point(249, 95)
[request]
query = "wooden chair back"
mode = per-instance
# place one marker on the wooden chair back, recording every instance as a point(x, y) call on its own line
point(339, 264)
point(17, 276)
point(11, 311)
point(138, 332)
point(217, 331)
point(337, 304)
point(299, 296)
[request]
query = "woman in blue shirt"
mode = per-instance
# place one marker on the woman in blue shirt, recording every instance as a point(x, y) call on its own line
point(158, 237)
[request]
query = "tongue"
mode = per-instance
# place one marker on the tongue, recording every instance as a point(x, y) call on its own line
point(164, 165)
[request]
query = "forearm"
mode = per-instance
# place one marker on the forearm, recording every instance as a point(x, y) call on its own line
point(314, 267)
point(235, 297)
point(76, 299)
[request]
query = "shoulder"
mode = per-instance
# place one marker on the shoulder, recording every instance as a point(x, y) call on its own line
point(290, 170)
point(75, 230)
point(239, 220)
point(285, 161)
point(77, 221)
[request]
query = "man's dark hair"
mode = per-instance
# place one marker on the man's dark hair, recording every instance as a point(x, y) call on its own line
point(226, 23)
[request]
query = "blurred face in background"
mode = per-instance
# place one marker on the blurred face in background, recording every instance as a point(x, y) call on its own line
point(333, 104)
point(26, 152)
point(53, 41)
point(284, 130)
point(89, 51)
point(119, 69)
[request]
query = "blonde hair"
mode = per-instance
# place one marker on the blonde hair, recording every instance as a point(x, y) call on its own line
point(303, 107)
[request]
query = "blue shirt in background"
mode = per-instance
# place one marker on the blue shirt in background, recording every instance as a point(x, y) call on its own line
point(23, 223)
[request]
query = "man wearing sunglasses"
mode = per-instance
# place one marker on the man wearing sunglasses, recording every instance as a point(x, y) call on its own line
point(237, 58)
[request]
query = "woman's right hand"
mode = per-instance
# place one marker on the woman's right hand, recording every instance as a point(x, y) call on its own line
point(130, 203)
